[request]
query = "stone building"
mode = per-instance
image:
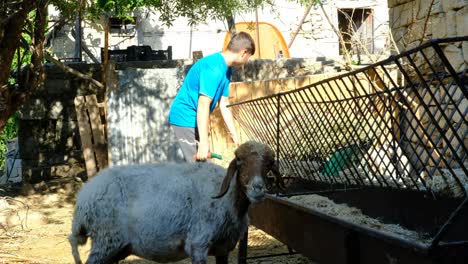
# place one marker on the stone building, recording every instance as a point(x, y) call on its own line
point(315, 38)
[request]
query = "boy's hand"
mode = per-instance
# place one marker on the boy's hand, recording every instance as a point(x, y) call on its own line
point(203, 151)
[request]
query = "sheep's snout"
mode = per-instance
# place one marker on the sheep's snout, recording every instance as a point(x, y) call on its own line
point(256, 189)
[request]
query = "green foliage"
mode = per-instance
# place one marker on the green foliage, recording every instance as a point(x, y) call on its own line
point(24, 56)
point(308, 2)
point(67, 8)
point(196, 10)
point(10, 131)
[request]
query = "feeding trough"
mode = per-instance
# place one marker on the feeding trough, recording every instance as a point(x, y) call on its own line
point(374, 161)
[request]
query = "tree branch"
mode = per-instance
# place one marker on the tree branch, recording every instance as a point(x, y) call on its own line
point(72, 71)
point(340, 36)
point(426, 22)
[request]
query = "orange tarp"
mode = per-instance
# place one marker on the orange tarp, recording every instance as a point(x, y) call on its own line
point(271, 40)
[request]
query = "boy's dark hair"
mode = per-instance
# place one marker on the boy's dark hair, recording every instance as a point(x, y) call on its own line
point(240, 41)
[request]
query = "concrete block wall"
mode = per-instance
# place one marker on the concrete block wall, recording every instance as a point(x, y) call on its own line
point(49, 139)
point(415, 21)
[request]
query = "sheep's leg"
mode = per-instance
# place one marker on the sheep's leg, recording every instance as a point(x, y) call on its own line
point(75, 241)
point(199, 259)
point(222, 259)
point(199, 255)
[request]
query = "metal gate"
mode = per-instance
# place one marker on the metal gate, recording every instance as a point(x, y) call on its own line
point(398, 126)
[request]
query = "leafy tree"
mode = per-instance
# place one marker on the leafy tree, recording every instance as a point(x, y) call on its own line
point(15, 19)
point(10, 131)
point(24, 32)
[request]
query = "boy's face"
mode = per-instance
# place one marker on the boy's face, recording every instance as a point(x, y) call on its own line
point(242, 58)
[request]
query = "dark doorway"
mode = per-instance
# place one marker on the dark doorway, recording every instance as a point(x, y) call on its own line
point(357, 28)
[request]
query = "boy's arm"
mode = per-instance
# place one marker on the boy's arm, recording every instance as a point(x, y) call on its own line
point(203, 119)
point(227, 116)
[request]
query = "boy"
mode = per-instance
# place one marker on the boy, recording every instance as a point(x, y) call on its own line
point(206, 84)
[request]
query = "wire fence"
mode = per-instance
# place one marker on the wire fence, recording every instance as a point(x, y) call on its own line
point(400, 123)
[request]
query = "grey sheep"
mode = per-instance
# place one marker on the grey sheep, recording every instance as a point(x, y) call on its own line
point(168, 212)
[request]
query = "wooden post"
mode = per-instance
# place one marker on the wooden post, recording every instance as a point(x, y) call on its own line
point(85, 135)
point(92, 133)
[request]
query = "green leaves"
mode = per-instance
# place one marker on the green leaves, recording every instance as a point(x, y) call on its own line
point(308, 2)
point(10, 131)
point(195, 10)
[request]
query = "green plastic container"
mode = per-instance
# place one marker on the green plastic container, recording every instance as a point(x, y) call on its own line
point(338, 160)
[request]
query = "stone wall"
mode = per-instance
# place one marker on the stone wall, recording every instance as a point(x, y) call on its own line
point(266, 69)
point(49, 139)
point(415, 21)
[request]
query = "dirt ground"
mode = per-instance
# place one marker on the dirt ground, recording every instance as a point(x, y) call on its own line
point(35, 222)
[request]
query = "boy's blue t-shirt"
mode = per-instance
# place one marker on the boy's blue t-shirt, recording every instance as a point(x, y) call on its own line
point(210, 76)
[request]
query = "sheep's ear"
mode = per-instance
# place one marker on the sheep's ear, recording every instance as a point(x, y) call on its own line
point(227, 179)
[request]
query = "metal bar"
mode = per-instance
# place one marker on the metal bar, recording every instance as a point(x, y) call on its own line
point(425, 107)
point(363, 114)
point(301, 130)
point(463, 87)
point(436, 124)
point(317, 137)
point(344, 122)
point(446, 226)
point(335, 142)
point(408, 107)
point(389, 60)
point(282, 141)
point(404, 102)
point(382, 98)
point(239, 115)
point(317, 134)
point(317, 192)
point(345, 104)
point(402, 135)
point(449, 67)
point(278, 109)
point(450, 97)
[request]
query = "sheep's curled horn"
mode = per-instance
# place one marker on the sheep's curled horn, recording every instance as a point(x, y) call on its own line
point(233, 168)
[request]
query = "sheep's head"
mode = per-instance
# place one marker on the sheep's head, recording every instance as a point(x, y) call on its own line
point(253, 160)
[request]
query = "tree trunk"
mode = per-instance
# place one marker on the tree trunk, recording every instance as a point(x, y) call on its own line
point(11, 29)
point(9, 39)
point(13, 98)
point(231, 25)
point(106, 49)
point(340, 36)
point(78, 37)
